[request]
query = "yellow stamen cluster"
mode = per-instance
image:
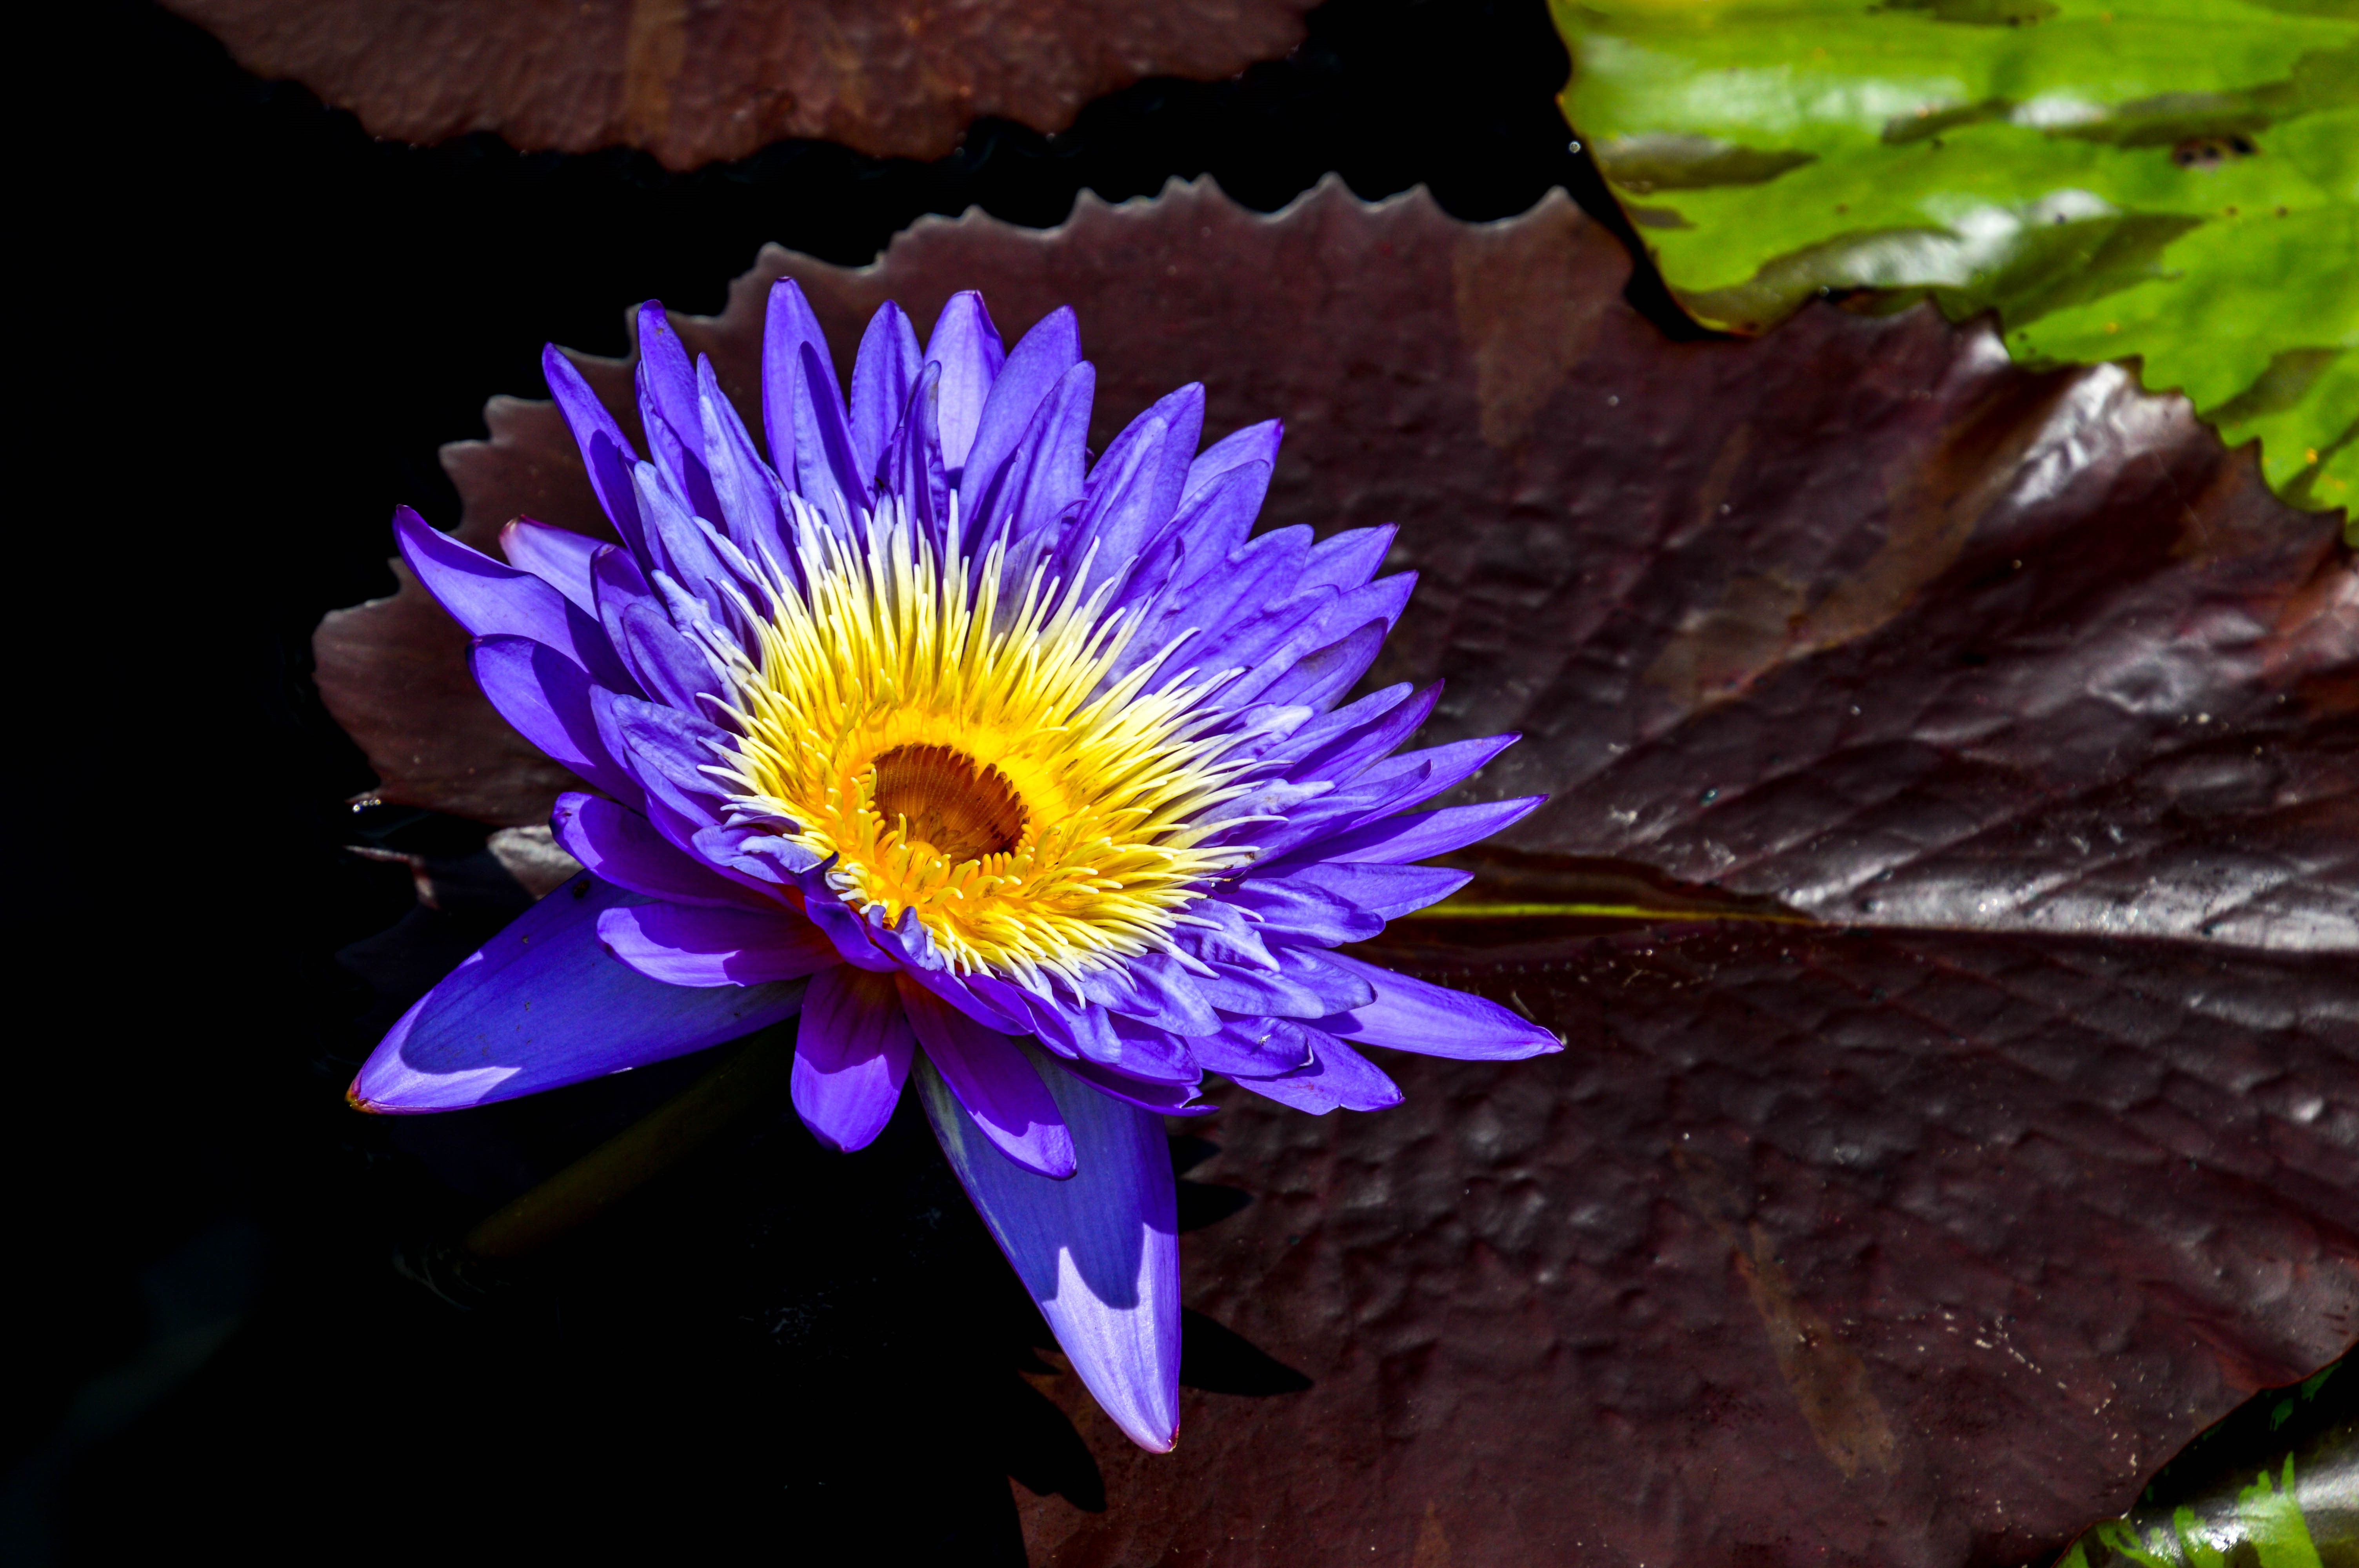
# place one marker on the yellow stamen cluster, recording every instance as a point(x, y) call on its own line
point(956, 755)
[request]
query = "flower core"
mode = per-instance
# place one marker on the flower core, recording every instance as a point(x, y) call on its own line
point(967, 759)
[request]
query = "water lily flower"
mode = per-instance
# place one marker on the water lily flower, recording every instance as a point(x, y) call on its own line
point(1020, 777)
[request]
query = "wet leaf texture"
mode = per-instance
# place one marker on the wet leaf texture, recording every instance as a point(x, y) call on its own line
point(2170, 179)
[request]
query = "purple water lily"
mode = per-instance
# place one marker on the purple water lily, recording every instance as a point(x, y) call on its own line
point(1019, 776)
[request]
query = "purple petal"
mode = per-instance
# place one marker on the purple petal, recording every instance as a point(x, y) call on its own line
point(492, 598)
point(1153, 990)
point(549, 701)
point(1082, 1030)
point(697, 944)
point(1150, 1053)
point(1033, 369)
point(1412, 1015)
point(1347, 560)
point(665, 750)
point(911, 467)
point(606, 452)
point(1225, 936)
point(1164, 1099)
point(967, 346)
point(1164, 438)
point(1237, 449)
point(676, 456)
point(689, 557)
point(1419, 835)
point(843, 926)
point(1322, 675)
point(1354, 745)
point(1339, 989)
point(751, 498)
point(1303, 913)
point(620, 846)
point(557, 557)
point(1256, 993)
point(673, 669)
point(1230, 594)
point(1442, 766)
point(1099, 1252)
point(852, 1053)
point(1386, 891)
point(1046, 474)
point(756, 851)
point(882, 375)
point(1337, 1076)
point(667, 382)
point(994, 1081)
point(1253, 1048)
point(786, 327)
point(542, 1004)
point(1210, 527)
point(825, 471)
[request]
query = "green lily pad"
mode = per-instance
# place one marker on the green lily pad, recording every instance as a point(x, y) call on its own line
point(2174, 179)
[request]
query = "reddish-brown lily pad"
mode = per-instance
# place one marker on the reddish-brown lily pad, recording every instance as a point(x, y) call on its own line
point(694, 83)
point(1980, 1116)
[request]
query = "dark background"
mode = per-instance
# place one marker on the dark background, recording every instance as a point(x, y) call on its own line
point(253, 325)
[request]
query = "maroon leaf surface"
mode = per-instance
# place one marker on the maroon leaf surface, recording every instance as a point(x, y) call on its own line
point(2011, 1134)
point(693, 84)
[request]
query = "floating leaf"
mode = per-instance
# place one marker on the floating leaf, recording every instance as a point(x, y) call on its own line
point(1947, 896)
point(693, 84)
point(2273, 1484)
point(2177, 179)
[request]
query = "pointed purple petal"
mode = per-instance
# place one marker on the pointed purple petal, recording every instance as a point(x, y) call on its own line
point(664, 749)
point(698, 944)
point(673, 669)
point(911, 467)
point(1352, 746)
point(967, 347)
point(1254, 444)
point(1337, 1076)
point(548, 698)
point(1034, 368)
point(882, 375)
point(852, 1053)
point(620, 846)
point(1046, 474)
point(1301, 912)
point(1347, 560)
point(1322, 675)
point(667, 382)
point(750, 496)
point(1099, 1252)
point(994, 1080)
point(1164, 1099)
point(1412, 1015)
point(825, 471)
point(1419, 835)
point(490, 598)
point(606, 452)
point(787, 326)
point(557, 557)
point(543, 1004)
point(1386, 891)
point(1253, 1048)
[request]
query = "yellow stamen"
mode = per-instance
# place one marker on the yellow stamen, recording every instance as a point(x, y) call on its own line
point(958, 756)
